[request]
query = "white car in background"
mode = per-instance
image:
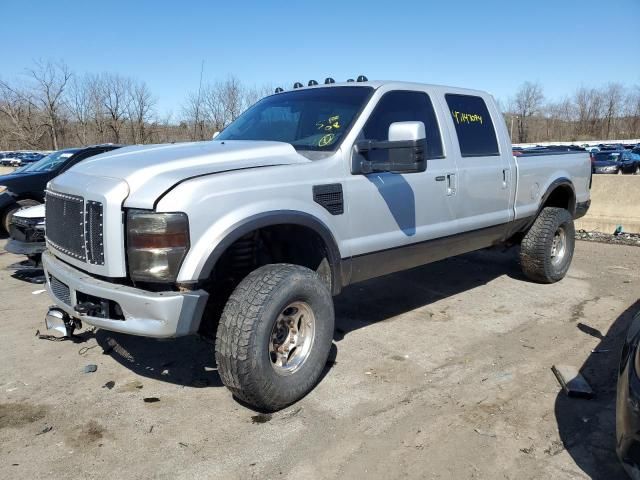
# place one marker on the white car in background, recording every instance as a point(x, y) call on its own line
point(27, 233)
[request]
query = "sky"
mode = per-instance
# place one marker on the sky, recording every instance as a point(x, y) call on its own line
point(489, 45)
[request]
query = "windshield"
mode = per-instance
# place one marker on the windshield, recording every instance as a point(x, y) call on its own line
point(314, 119)
point(50, 162)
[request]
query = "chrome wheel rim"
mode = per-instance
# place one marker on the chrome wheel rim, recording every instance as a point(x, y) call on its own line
point(559, 246)
point(292, 338)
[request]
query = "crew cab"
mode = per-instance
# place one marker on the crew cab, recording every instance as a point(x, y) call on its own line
point(309, 191)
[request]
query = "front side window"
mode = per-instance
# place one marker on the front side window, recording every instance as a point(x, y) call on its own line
point(314, 119)
point(474, 128)
point(404, 106)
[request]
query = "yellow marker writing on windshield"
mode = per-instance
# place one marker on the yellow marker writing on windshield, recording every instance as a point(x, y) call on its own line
point(326, 140)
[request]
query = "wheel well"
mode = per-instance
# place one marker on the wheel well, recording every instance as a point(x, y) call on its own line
point(284, 243)
point(563, 197)
point(295, 244)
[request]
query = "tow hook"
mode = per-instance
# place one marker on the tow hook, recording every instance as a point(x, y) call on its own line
point(58, 320)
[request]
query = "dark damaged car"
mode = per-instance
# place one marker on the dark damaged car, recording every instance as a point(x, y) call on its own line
point(25, 188)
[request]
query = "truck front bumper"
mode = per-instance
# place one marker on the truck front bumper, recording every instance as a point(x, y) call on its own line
point(149, 314)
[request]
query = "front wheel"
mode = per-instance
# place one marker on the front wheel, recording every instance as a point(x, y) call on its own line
point(274, 336)
point(547, 248)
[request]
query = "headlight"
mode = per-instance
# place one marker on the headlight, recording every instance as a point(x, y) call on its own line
point(2, 188)
point(156, 245)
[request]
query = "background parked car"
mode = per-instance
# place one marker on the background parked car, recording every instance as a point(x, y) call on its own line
point(26, 233)
point(25, 188)
point(614, 162)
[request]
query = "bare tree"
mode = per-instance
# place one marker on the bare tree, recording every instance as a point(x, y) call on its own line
point(80, 106)
point(49, 84)
point(24, 122)
point(140, 107)
point(527, 102)
point(613, 96)
point(115, 98)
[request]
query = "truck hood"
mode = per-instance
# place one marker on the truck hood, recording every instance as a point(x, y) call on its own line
point(151, 170)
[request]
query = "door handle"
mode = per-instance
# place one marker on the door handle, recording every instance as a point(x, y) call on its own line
point(451, 184)
point(505, 177)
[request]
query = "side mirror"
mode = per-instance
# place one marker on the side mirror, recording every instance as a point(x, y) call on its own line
point(403, 152)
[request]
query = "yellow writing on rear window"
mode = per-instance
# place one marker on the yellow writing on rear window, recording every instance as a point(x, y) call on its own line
point(465, 118)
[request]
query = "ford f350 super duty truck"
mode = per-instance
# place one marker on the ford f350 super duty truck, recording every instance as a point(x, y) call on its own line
point(310, 190)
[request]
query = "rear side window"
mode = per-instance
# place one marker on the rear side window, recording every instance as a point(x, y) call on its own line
point(405, 106)
point(476, 135)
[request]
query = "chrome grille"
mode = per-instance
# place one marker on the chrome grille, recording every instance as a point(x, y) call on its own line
point(93, 230)
point(64, 221)
point(60, 290)
point(74, 229)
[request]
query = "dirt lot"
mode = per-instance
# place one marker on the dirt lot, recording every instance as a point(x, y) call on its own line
point(437, 373)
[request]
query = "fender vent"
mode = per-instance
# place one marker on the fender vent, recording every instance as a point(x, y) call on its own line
point(330, 197)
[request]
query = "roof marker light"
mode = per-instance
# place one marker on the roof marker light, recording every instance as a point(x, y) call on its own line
point(329, 80)
point(362, 78)
point(279, 90)
point(297, 85)
point(312, 83)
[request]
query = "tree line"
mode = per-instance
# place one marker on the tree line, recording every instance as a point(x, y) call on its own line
point(50, 107)
point(610, 112)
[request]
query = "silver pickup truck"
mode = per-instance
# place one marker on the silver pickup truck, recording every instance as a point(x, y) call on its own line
point(248, 236)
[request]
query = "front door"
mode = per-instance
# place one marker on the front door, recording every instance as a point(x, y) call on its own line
point(393, 214)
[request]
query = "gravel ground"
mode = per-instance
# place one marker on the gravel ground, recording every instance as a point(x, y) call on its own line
point(439, 372)
point(621, 238)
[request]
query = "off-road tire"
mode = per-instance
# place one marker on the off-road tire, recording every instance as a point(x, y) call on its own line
point(245, 330)
point(9, 212)
point(537, 244)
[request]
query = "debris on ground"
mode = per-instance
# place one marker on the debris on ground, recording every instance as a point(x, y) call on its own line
point(109, 385)
point(90, 368)
point(45, 430)
point(621, 238)
point(261, 418)
point(555, 448)
point(484, 434)
point(150, 399)
point(572, 382)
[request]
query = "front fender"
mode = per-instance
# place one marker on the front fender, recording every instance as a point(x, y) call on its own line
point(227, 236)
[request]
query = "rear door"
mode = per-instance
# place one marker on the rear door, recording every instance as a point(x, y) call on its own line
point(484, 174)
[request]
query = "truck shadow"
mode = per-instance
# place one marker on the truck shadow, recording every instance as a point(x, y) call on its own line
point(588, 427)
point(383, 298)
point(190, 361)
point(187, 361)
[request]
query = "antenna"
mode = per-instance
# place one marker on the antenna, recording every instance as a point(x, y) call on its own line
point(195, 125)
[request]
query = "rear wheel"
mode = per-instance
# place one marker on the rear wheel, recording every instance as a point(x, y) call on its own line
point(274, 336)
point(547, 248)
point(19, 205)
